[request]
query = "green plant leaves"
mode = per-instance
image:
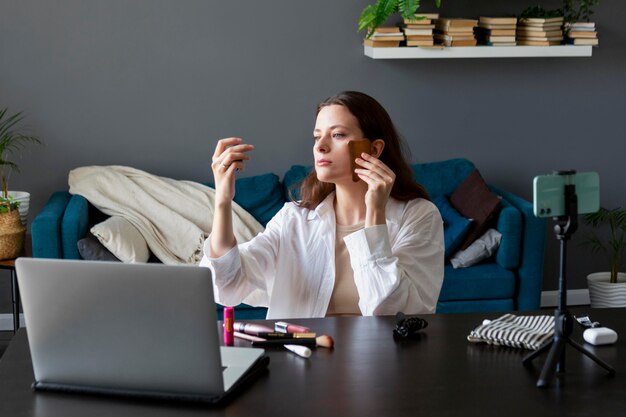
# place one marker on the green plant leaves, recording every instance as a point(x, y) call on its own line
point(374, 15)
point(408, 8)
point(615, 244)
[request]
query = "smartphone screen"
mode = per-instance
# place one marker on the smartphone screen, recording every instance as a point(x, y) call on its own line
point(549, 193)
point(357, 147)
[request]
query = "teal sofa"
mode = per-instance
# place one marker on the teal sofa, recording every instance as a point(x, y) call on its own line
point(510, 280)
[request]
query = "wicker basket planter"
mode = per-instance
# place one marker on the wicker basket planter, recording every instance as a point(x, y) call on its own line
point(12, 233)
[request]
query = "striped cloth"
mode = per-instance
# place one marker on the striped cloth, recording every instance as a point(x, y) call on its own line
point(526, 332)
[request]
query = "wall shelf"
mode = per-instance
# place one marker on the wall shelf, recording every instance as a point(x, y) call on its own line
point(479, 52)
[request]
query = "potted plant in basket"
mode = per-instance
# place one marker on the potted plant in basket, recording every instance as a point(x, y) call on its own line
point(608, 289)
point(12, 230)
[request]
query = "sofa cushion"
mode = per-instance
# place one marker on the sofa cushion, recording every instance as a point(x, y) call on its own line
point(455, 226)
point(292, 180)
point(442, 177)
point(260, 195)
point(91, 249)
point(123, 239)
point(480, 249)
point(484, 281)
point(510, 225)
point(474, 200)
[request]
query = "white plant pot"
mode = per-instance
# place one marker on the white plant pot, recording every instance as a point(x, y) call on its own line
point(24, 198)
point(603, 294)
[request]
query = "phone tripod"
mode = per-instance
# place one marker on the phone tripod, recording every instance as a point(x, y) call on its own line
point(563, 319)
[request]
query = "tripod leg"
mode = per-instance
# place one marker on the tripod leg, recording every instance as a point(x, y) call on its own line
point(593, 357)
point(547, 372)
point(539, 351)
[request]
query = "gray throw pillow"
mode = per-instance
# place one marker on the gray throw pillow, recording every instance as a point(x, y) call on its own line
point(91, 249)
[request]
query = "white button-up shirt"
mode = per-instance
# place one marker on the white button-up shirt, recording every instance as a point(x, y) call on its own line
point(290, 267)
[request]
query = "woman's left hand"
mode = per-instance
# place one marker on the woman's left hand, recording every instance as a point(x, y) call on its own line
point(379, 178)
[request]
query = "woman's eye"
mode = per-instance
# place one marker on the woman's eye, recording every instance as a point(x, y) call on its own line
point(316, 138)
point(338, 135)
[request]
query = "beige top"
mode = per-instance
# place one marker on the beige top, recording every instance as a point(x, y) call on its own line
point(345, 298)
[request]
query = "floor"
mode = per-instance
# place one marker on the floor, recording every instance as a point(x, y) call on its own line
point(5, 338)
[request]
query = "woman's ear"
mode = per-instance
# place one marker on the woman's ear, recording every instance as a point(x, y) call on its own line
point(377, 147)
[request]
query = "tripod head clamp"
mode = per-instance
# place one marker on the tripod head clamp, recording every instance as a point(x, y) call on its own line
point(567, 224)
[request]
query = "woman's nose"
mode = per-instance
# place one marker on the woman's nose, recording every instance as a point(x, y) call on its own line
point(322, 144)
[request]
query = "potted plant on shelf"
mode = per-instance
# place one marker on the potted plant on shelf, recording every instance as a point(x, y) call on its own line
point(608, 289)
point(12, 229)
point(375, 15)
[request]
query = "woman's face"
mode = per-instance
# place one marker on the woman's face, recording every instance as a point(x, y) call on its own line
point(335, 126)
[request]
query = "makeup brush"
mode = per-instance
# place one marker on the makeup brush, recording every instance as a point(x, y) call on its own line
point(325, 341)
point(322, 341)
point(299, 350)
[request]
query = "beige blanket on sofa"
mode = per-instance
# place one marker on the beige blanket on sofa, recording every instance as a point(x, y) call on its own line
point(174, 217)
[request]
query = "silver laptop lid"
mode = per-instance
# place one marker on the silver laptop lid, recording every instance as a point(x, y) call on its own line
point(145, 327)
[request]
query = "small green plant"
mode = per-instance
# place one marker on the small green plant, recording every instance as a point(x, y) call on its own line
point(375, 15)
point(540, 12)
point(614, 246)
point(578, 10)
point(10, 141)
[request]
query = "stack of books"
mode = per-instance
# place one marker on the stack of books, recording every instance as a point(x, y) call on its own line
point(385, 37)
point(581, 33)
point(496, 31)
point(539, 31)
point(419, 31)
point(455, 32)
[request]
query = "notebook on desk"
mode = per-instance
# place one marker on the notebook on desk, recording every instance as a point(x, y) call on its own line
point(145, 330)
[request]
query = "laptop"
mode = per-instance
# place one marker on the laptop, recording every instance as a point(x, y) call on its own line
point(147, 330)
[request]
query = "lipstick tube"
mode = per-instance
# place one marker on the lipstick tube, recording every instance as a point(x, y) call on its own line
point(229, 321)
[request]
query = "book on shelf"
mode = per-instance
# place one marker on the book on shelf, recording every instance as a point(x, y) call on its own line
point(387, 37)
point(498, 20)
point(387, 29)
point(499, 27)
point(429, 42)
point(537, 43)
point(421, 18)
point(545, 28)
point(583, 41)
point(540, 38)
point(381, 44)
point(541, 20)
point(389, 33)
point(501, 44)
point(581, 26)
point(447, 23)
point(411, 31)
point(484, 39)
point(419, 37)
point(459, 30)
point(524, 32)
point(448, 37)
point(494, 32)
point(583, 34)
point(458, 42)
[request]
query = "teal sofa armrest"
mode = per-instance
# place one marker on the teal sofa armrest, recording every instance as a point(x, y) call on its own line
point(530, 270)
point(75, 225)
point(46, 227)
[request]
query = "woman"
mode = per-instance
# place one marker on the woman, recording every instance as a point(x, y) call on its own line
point(370, 247)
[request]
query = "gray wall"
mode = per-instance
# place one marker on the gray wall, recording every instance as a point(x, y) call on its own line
point(154, 83)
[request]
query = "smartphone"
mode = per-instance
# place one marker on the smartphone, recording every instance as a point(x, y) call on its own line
point(357, 147)
point(549, 193)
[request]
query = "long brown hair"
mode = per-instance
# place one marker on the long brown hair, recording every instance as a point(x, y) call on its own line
point(375, 123)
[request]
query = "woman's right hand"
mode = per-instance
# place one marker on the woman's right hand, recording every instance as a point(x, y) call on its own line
point(229, 157)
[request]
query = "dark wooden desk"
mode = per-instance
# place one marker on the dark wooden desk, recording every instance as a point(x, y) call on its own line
point(370, 374)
